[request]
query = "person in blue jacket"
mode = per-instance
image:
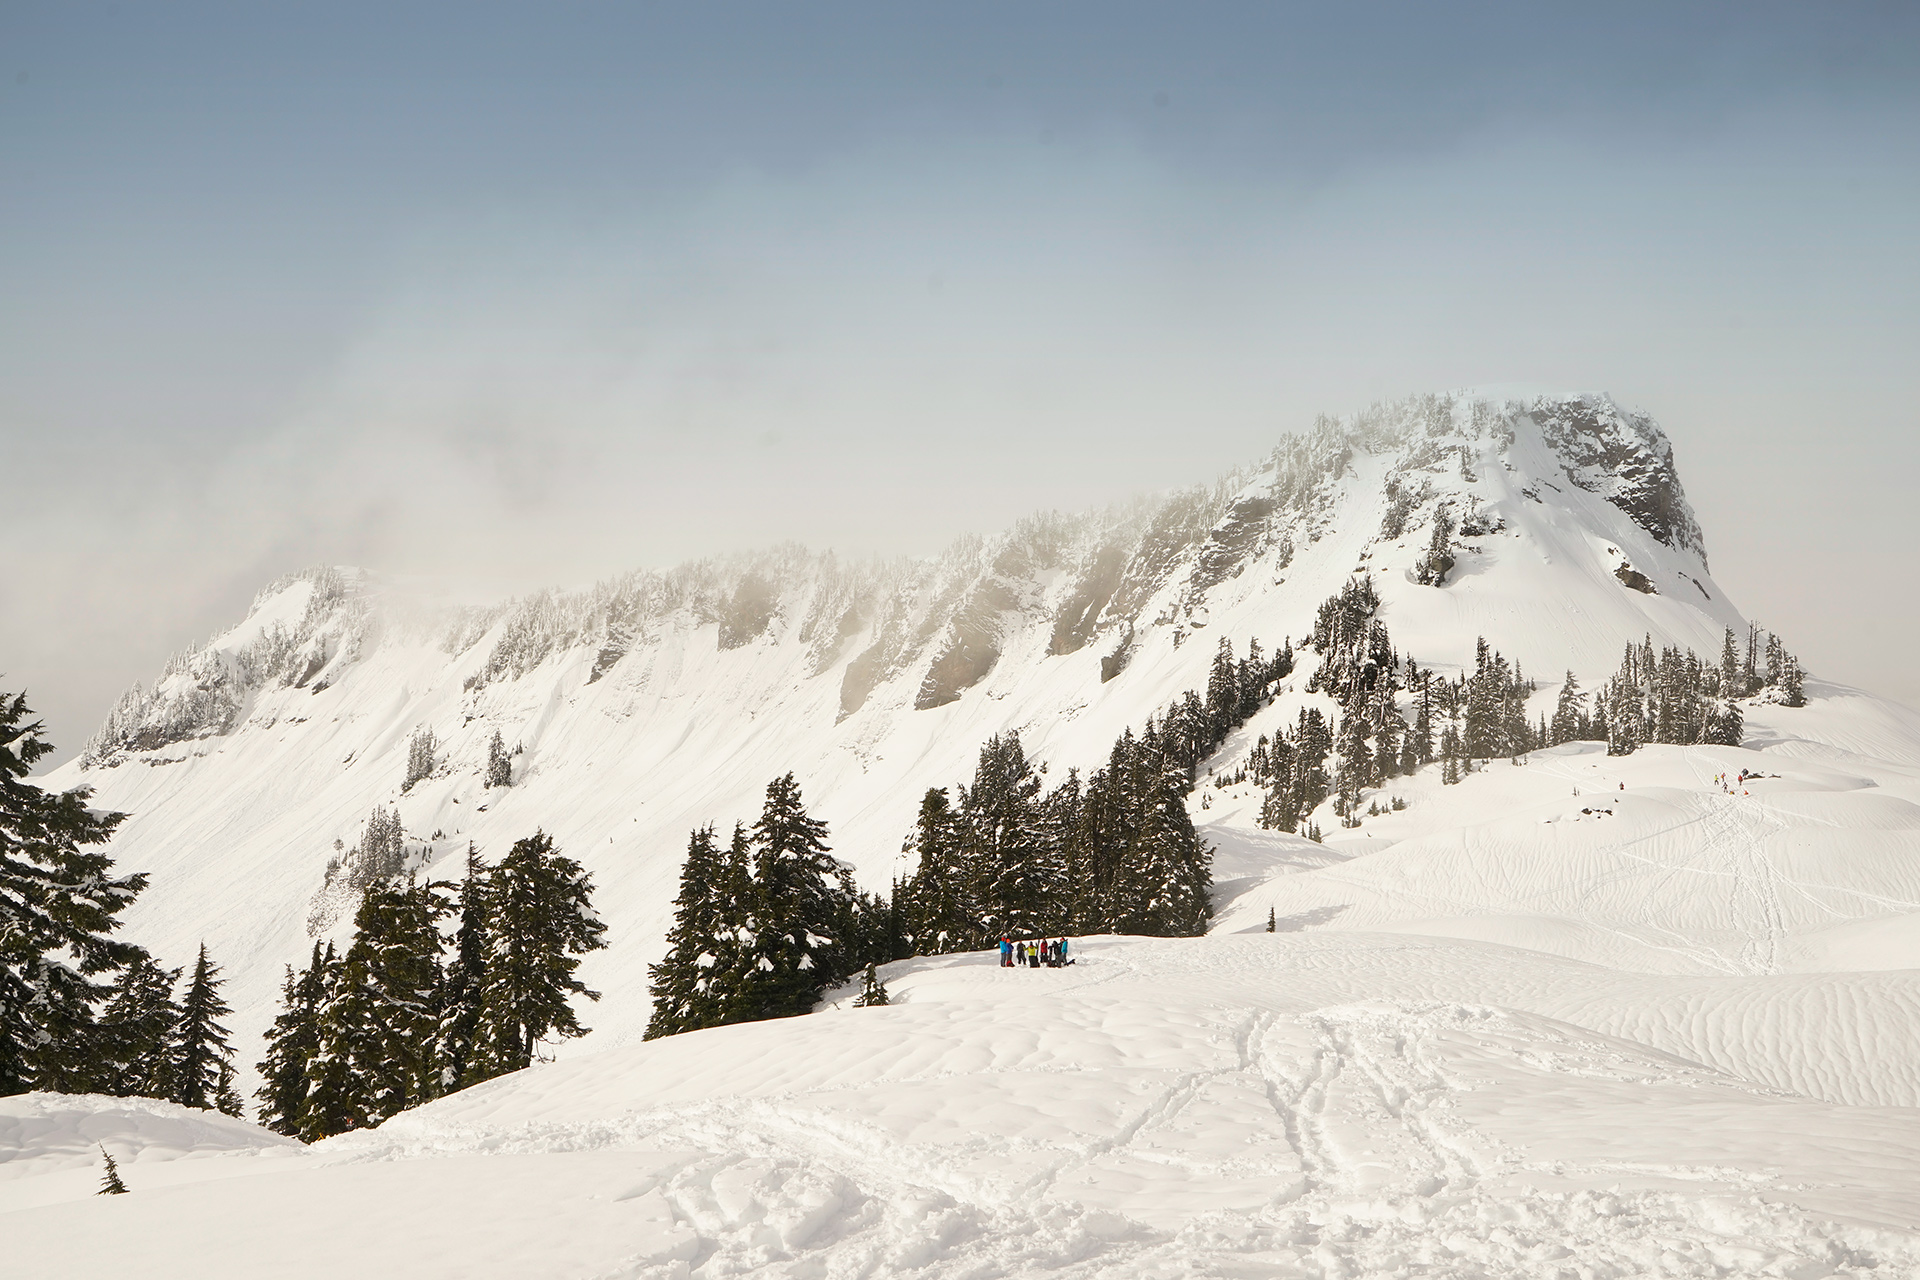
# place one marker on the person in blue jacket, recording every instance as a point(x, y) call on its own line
point(1006, 953)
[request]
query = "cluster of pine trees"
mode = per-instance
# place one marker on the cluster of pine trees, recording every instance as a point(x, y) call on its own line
point(1673, 696)
point(80, 1010)
point(397, 1021)
point(1676, 696)
point(1113, 853)
point(764, 925)
point(1479, 714)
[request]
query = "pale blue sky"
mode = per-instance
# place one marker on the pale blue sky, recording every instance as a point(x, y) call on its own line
point(542, 292)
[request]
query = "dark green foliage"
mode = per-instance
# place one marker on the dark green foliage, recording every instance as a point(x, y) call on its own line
point(763, 928)
point(800, 896)
point(138, 1029)
point(202, 1055)
point(292, 1043)
point(935, 903)
point(540, 921)
point(59, 903)
point(336, 1098)
point(872, 991)
point(684, 994)
point(1675, 696)
point(1017, 877)
point(110, 1184)
point(363, 1036)
point(384, 1013)
point(459, 1000)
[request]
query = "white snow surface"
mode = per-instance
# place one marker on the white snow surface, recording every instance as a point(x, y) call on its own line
point(1577, 1016)
point(1287, 1104)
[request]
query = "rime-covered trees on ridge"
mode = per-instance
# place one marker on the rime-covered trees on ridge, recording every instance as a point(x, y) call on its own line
point(1676, 696)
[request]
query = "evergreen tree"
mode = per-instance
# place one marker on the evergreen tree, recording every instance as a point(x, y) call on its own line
point(389, 998)
point(139, 1028)
point(111, 1185)
point(1792, 682)
point(202, 1054)
point(1018, 878)
point(540, 921)
point(336, 1096)
point(684, 995)
point(800, 897)
point(939, 917)
point(1272, 922)
point(499, 763)
point(421, 757)
point(1569, 713)
point(461, 982)
point(292, 1042)
point(1169, 869)
point(872, 991)
point(1223, 692)
point(58, 904)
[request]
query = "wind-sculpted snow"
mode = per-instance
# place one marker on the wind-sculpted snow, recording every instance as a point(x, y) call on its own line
point(1265, 1105)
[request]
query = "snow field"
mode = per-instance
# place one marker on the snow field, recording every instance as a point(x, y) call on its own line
point(1275, 1104)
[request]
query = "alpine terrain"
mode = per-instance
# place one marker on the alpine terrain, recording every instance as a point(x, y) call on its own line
point(1560, 924)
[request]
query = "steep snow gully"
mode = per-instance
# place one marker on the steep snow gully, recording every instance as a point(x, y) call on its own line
point(1578, 1015)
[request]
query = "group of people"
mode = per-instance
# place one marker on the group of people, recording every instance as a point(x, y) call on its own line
point(1050, 953)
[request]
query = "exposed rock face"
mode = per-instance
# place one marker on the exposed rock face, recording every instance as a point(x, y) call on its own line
point(1624, 458)
point(1638, 581)
point(1074, 625)
point(746, 616)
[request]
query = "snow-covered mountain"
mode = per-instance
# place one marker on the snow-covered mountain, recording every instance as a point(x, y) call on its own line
point(647, 705)
point(1579, 1014)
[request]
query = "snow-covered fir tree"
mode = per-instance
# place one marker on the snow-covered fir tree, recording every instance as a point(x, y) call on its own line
point(387, 998)
point(1017, 878)
point(422, 757)
point(499, 763)
point(690, 985)
point(539, 922)
point(459, 997)
point(802, 900)
point(59, 905)
point(934, 902)
point(873, 992)
point(292, 1043)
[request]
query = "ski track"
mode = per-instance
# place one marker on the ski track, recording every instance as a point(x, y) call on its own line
point(1392, 1183)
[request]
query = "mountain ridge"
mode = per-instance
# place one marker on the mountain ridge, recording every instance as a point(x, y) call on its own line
point(658, 701)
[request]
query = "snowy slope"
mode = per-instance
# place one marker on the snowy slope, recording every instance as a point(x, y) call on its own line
point(1280, 1105)
point(1575, 1016)
point(650, 705)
